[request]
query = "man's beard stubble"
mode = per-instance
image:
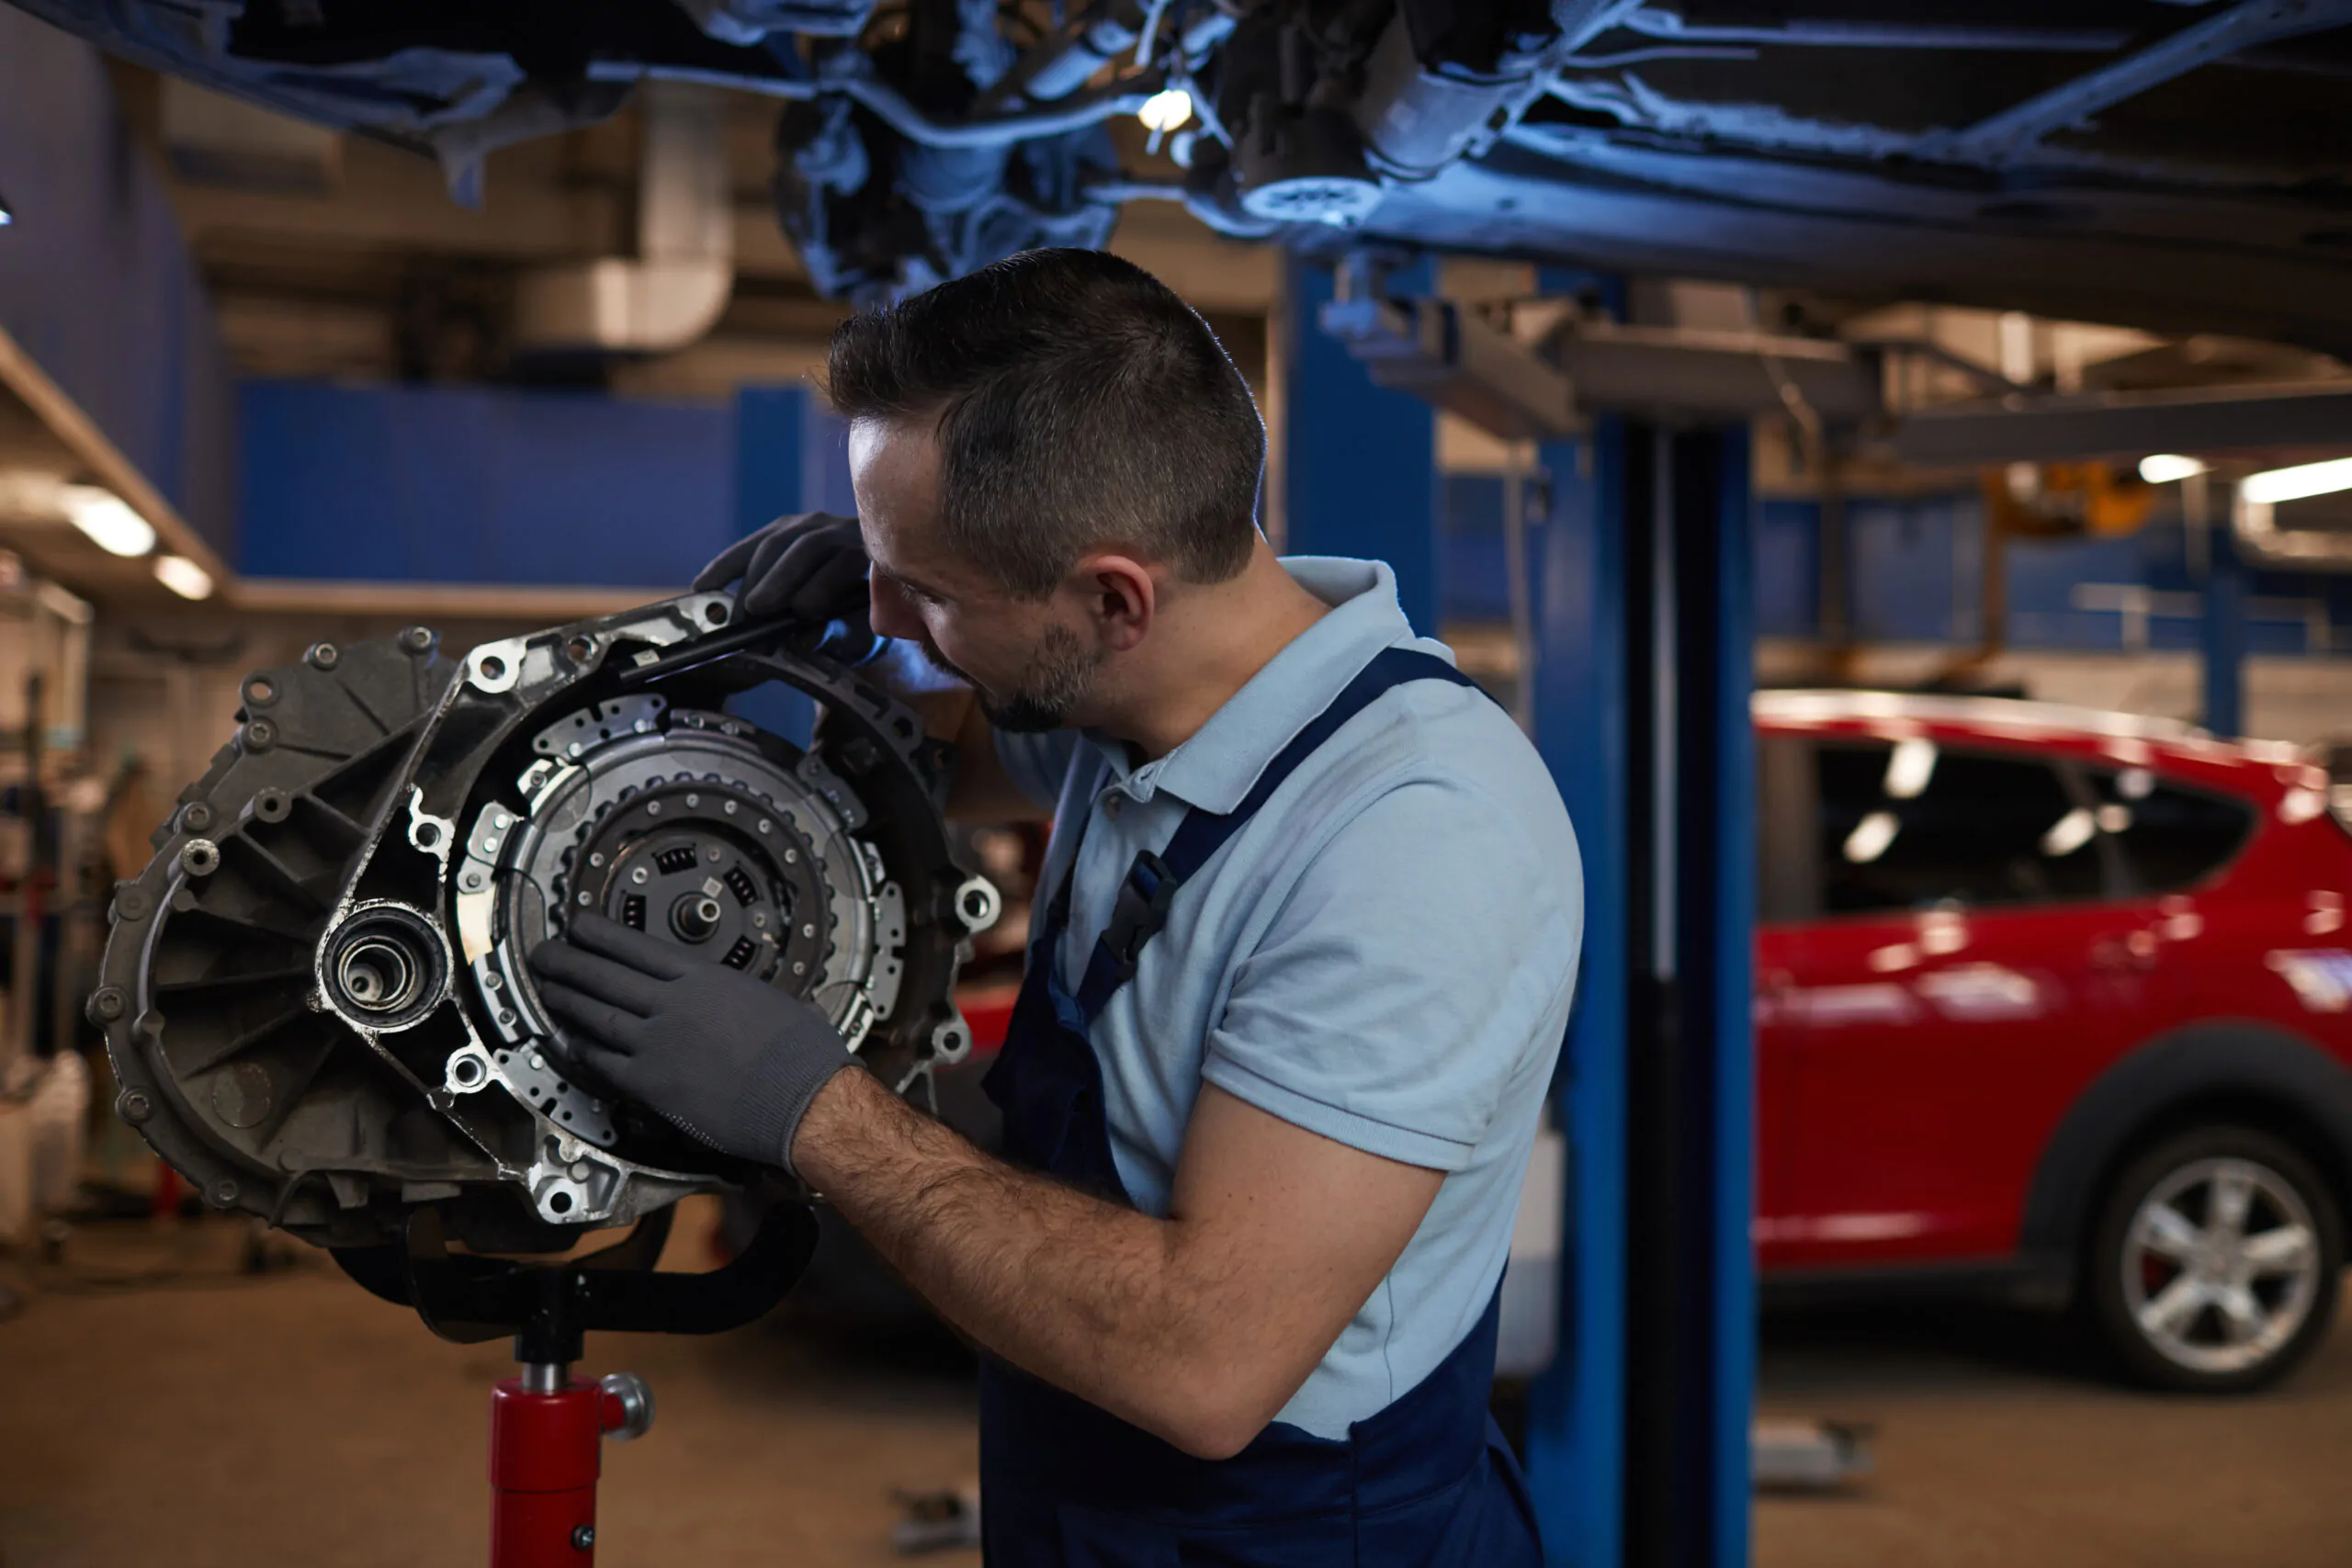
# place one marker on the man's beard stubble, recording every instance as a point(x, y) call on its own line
point(1061, 673)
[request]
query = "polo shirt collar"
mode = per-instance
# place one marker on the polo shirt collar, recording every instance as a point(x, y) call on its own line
point(1214, 769)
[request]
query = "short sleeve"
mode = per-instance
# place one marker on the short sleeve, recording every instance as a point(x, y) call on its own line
point(1037, 764)
point(1415, 968)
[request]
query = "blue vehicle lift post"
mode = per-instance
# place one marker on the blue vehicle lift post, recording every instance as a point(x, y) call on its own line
point(1642, 644)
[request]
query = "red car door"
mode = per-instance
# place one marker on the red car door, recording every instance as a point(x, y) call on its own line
point(1969, 970)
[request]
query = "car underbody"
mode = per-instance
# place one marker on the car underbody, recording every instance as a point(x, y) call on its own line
point(2173, 166)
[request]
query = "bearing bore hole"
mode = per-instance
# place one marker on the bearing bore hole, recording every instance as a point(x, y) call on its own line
point(716, 614)
point(468, 1070)
point(260, 691)
point(494, 668)
point(976, 904)
point(561, 1202)
point(427, 834)
point(379, 972)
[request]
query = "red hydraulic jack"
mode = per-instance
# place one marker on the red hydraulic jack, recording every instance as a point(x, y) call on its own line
point(545, 1449)
point(546, 1428)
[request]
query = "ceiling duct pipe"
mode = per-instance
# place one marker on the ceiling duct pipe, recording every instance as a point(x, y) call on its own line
point(673, 291)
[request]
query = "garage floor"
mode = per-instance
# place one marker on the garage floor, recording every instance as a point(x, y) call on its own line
point(157, 1407)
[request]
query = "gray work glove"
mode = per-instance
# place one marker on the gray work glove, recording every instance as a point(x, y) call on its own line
point(730, 1059)
point(810, 568)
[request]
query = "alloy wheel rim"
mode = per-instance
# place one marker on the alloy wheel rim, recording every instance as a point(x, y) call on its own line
point(2221, 1265)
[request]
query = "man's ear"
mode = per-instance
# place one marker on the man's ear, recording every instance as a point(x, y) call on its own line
point(1122, 597)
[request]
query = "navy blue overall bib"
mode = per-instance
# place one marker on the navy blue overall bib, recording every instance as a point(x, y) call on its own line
point(1427, 1483)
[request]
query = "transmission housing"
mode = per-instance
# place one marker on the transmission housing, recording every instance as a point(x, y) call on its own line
point(317, 997)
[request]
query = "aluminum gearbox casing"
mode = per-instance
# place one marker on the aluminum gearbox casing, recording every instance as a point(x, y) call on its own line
point(316, 997)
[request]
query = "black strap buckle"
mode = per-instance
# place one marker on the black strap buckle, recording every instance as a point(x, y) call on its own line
point(1141, 909)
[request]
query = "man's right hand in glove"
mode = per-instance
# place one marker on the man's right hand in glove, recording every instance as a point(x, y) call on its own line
point(809, 567)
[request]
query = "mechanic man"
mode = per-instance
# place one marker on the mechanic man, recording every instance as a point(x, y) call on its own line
point(1291, 1005)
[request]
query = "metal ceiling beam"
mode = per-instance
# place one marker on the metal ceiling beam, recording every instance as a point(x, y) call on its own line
point(1464, 364)
point(1455, 360)
point(2129, 424)
point(2018, 129)
point(1839, 33)
point(1680, 373)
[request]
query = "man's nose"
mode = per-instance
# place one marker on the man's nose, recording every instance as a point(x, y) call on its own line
point(888, 611)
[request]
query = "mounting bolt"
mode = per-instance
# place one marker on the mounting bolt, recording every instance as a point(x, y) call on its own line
point(584, 1538)
point(418, 639)
point(197, 815)
point(130, 902)
point(108, 1003)
point(223, 1193)
point(323, 656)
point(133, 1106)
point(260, 735)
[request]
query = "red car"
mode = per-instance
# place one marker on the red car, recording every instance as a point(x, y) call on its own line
point(2050, 1003)
point(2059, 1001)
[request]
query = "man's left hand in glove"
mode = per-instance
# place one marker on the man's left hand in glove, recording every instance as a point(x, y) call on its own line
point(732, 1061)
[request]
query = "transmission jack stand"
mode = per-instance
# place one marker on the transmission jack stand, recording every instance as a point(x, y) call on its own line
point(546, 1428)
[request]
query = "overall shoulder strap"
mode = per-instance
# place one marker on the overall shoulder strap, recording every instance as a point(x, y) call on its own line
point(1152, 880)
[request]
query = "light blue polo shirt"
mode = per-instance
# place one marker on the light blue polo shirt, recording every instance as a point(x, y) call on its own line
point(1385, 955)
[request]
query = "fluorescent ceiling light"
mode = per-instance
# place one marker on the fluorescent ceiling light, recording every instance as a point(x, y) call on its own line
point(1164, 111)
point(1909, 767)
point(2295, 483)
point(2164, 468)
point(184, 577)
point(1871, 836)
point(108, 519)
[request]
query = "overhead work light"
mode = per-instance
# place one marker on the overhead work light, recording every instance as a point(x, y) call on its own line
point(108, 519)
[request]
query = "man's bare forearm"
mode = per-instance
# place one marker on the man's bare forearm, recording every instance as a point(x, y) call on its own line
point(1107, 1302)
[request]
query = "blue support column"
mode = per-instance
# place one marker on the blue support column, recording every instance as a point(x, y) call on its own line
point(1638, 1437)
point(1358, 470)
point(2222, 637)
point(1690, 1099)
point(1720, 905)
point(1577, 560)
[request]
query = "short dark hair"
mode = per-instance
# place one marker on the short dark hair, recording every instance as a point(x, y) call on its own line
point(1080, 404)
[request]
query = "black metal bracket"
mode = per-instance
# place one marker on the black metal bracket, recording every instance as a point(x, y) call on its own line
point(549, 1308)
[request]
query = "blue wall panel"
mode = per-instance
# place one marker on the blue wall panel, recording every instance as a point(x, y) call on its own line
point(779, 469)
point(95, 281)
point(1918, 570)
point(447, 484)
point(1788, 569)
point(1903, 555)
point(1474, 580)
